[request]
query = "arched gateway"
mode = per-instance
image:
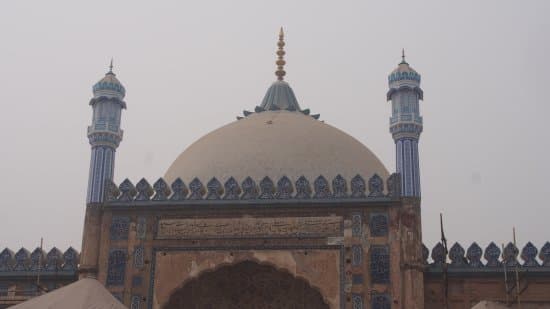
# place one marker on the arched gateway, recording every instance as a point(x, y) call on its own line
point(246, 285)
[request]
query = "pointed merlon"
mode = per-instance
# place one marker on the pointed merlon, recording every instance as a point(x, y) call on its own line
point(280, 73)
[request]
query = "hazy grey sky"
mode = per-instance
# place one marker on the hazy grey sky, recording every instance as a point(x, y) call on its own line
point(191, 67)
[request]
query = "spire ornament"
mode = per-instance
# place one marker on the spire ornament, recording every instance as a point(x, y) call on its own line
point(403, 56)
point(280, 73)
point(111, 67)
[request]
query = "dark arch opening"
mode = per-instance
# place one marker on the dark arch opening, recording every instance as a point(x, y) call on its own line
point(246, 285)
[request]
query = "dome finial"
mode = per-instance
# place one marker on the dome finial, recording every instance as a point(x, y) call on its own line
point(111, 67)
point(403, 56)
point(280, 73)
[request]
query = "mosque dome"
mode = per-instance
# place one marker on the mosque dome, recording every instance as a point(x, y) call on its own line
point(278, 139)
point(275, 144)
point(109, 86)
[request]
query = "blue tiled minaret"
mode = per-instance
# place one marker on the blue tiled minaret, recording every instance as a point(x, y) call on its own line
point(406, 124)
point(104, 134)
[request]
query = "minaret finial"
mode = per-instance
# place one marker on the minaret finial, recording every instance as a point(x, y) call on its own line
point(281, 53)
point(111, 66)
point(403, 56)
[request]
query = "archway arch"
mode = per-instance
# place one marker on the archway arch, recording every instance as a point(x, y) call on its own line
point(246, 285)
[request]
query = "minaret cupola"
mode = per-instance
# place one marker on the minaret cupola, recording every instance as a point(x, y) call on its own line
point(109, 86)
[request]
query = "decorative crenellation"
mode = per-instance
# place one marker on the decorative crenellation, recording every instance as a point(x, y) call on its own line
point(249, 189)
point(53, 261)
point(493, 255)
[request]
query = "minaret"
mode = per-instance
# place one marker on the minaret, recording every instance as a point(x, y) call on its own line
point(104, 134)
point(406, 124)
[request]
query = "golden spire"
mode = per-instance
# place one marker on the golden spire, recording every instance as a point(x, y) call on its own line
point(280, 53)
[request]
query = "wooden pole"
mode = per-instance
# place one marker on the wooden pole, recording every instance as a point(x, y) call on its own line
point(505, 278)
point(39, 266)
point(445, 266)
point(516, 270)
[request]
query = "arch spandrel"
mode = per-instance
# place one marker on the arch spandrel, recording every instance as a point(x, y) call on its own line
point(176, 269)
point(245, 285)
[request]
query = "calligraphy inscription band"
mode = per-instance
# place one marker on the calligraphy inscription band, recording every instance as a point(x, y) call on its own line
point(249, 227)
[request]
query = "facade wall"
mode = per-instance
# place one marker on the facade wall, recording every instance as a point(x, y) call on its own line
point(345, 249)
point(465, 291)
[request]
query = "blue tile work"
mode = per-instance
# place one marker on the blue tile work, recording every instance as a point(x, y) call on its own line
point(104, 134)
point(438, 254)
point(406, 125)
point(456, 254)
point(137, 281)
point(54, 260)
point(340, 187)
point(303, 188)
point(6, 259)
point(21, 259)
point(127, 191)
point(119, 228)
point(381, 301)
point(321, 188)
point(267, 189)
point(101, 169)
point(356, 255)
point(249, 190)
point(117, 267)
point(139, 257)
point(232, 189)
point(357, 301)
point(378, 224)
point(214, 188)
point(141, 228)
point(284, 188)
point(118, 296)
point(408, 166)
point(544, 254)
point(376, 186)
point(529, 255)
point(510, 254)
point(358, 187)
point(4, 287)
point(356, 225)
point(180, 190)
point(144, 190)
point(357, 279)
point(162, 191)
point(380, 264)
point(38, 257)
point(71, 259)
point(474, 254)
point(135, 302)
point(197, 189)
point(492, 255)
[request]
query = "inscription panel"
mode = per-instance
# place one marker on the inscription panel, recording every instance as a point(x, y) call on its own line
point(249, 227)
